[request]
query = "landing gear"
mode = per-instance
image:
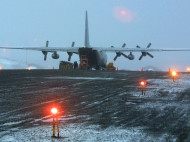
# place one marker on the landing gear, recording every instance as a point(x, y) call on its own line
point(97, 68)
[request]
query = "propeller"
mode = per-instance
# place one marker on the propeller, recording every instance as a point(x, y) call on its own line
point(124, 55)
point(70, 53)
point(148, 45)
point(144, 53)
point(47, 43)
point(73, 44)
point(45, 52)
point(123, 45)
point(118, 54)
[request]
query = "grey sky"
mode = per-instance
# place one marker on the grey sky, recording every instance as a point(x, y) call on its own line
point(164, 23)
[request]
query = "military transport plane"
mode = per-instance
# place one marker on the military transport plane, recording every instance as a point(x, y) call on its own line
point(96, 56)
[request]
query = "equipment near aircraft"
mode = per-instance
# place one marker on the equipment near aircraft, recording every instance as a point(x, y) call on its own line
point(96, 56)
point(84, 62)
point(110, 67)
point(63, 65)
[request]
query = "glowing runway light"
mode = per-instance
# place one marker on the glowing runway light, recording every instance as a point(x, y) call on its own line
point(173, 74)
point(142, 83)
point(1, 68)
point(29, 68)
point(188, 69)
point(54, 111)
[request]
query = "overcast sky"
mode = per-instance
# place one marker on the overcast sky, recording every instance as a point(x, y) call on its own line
point(164, 23)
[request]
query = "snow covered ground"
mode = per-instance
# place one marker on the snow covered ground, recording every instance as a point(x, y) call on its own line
point(84, 133)
point(96, 108)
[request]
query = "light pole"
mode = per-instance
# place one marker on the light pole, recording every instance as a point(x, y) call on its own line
point(142, 84)
point(174, 75)
point(54, 111)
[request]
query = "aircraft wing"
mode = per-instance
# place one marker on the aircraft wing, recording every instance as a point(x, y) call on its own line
point(115, 49)
point(139, 49)
point(47, 49)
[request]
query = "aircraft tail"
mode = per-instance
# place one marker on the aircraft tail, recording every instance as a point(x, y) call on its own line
point(86, 42)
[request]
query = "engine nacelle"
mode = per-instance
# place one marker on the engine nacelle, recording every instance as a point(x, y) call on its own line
point(131, 56)
point(55, 55)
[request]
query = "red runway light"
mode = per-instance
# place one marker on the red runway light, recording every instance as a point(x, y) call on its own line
point(54, 111)
point(142, 83)
point(174, 73)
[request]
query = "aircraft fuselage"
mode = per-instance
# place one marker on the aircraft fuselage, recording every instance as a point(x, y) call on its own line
point(96, 59)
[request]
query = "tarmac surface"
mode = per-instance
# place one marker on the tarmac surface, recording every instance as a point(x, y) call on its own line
point(96, 98)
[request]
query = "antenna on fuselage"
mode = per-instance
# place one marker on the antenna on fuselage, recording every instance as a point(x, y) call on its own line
point(86, 42)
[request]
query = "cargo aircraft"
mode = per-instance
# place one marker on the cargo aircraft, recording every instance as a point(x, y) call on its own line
point(96, 56)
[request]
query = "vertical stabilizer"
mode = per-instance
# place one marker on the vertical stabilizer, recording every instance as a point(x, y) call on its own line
point(86, 42)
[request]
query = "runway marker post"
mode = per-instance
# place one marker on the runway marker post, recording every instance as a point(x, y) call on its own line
point(174, 75)
point(142, 84)
point(54, 111)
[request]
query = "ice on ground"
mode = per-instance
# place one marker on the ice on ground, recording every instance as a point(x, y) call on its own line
point(85, 133)
point(165, 85)
point(63, 118)
point(159, 90)
point(12, 123)
point(80, 78)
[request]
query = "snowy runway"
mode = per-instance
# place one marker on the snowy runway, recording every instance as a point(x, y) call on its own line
point(95, 106)
point(83, 133)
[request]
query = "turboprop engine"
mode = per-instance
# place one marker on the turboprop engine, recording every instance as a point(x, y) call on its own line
point(131, 56)
point(55, 55)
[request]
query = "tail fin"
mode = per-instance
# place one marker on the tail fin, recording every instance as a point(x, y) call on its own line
point(86, 42)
